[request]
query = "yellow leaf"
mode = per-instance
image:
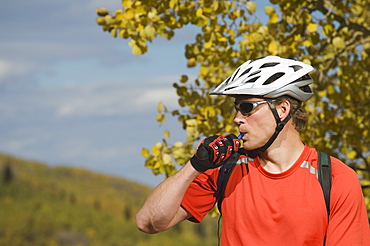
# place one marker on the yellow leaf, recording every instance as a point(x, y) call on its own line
point(102, 11)
point(140, 10)
point(166, 134)
point(338, 42)
point(153, 15)
point(158, 164)
point(192, 62)
point(307, 61)
point(199, 12)
point(251, 7)
point(228, 128)
point(160, 107)
point(178, 144)
point(203, 71)
point(172, 3)
point(157, 148)
point(255, 37)
point(210, 111)
point(160, 118)
point(328, 29)
point(322, 93)
point(312, 27)
point(208, 44)
point(117, 12)
point(263, 30)
point(126, 3)
point(108, 18)
point(357, 9)
point(167, 159)
point(222, 39)
point(307, 43)
point(100, 21)
point(114, 32)
point(135, 49)
point(191, 122)
point(272, 48)
point(149, 32)
point(331, 90)
point(269, 10)
point(351, 154)
point(183, 78)
point(145, 153)
point(274, 18)
point(129, 14)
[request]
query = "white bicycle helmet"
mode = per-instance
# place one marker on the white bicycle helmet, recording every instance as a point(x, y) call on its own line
point(270, 77)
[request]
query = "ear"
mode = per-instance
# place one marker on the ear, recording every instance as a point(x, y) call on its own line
point(283, 109)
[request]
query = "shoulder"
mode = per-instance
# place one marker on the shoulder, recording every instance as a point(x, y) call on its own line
point(342, 172)
point(344, 178)
point(346, 187)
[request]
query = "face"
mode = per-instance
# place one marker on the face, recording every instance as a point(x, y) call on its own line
point(257, 125)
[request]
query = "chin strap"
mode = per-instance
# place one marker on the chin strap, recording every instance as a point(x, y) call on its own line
point(279, 125)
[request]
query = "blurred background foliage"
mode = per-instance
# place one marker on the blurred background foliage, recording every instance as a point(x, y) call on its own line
point(332, 36)
point(62, 206)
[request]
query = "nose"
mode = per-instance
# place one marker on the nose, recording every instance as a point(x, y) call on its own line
point(239, 118)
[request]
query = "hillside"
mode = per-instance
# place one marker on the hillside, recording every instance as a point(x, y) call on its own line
point(43, 205)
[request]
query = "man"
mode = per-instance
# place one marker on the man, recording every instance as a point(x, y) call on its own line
point(273, 196)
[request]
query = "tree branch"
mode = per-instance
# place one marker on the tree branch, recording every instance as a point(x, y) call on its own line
point(343, 21)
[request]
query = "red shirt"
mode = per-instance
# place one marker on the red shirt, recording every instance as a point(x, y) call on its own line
point(262, 208)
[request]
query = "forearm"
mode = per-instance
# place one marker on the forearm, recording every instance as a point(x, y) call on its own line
point(162, 208)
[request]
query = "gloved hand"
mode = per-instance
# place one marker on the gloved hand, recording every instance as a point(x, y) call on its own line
point(212, 151)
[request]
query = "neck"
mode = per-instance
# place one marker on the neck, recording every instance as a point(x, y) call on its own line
point(283, 153)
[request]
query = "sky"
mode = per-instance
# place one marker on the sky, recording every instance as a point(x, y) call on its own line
point(71, 94)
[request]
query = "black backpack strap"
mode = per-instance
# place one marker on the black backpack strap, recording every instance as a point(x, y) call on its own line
point(223, 177)
point(324, 169)
point(325, 177)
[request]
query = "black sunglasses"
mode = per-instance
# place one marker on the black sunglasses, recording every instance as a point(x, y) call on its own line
point(247, 107)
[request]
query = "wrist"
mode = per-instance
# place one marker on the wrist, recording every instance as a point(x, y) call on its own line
point(198, 165)
point(193, 172)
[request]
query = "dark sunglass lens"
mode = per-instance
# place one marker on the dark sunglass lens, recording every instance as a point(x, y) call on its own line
point(246, 107)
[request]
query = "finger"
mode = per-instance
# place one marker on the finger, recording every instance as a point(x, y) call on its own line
point(234, 141)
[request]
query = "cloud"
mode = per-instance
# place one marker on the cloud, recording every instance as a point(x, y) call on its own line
point(8, 68)
point(167, 95)
point(112, 98)
point(72, 94)
point(43, 33)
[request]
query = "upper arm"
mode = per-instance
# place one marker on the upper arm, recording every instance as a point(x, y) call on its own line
point(348, 222)
point(181, 215)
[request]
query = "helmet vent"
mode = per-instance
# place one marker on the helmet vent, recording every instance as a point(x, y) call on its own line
point(306, 88)
point(296, 67)
point(252, 80)
point(254, 73)
point(273, 78)
point(269, 64)
point(235, 73)
point(304, 77)
point(226, 89)
point(246, 71)
point(227, 80)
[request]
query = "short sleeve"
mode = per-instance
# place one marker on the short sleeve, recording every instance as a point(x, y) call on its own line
point(200, 197)
point(348, 222)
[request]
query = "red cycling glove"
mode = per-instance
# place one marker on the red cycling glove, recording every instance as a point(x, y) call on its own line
point(212, 151)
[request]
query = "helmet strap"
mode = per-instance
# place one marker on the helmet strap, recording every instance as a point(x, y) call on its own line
point(279, 125)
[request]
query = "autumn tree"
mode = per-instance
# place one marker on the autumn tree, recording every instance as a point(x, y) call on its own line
point(332, 36)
